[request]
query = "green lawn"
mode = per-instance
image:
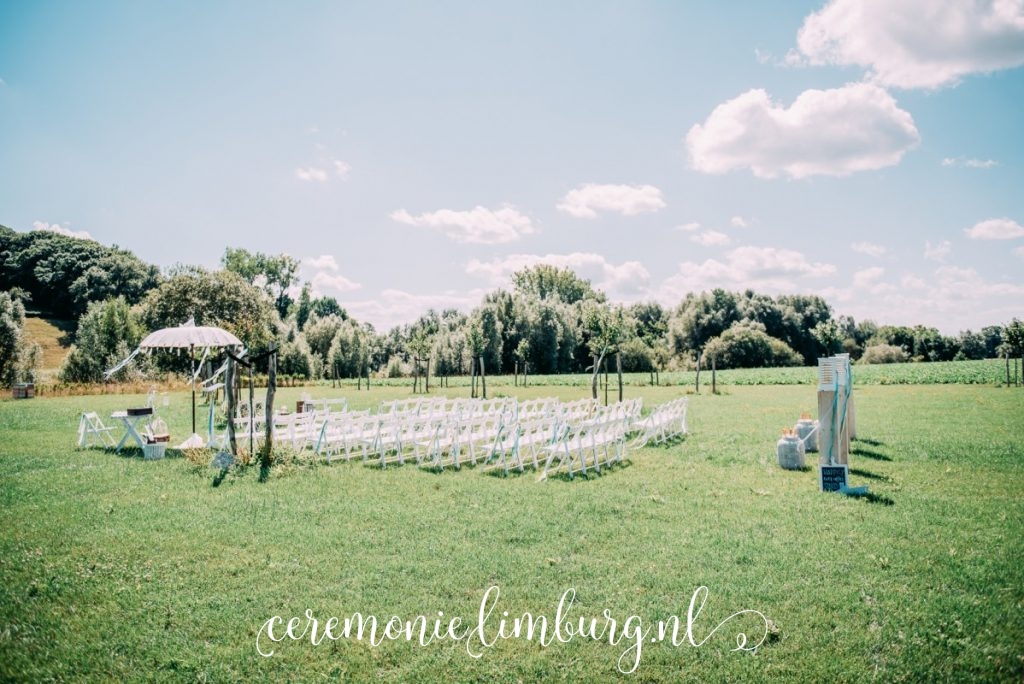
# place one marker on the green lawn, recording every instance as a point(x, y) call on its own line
point(116, 568)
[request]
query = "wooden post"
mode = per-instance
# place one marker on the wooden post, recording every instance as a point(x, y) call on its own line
point(252, 421)
point(267, 457)
point(700, 358)
point(483, 377)
point(714, 382)
point(618, 370)
point(229, 388)
point(606, 381)
point(426, 377)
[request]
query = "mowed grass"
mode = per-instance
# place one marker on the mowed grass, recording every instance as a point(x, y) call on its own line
point(116, 568)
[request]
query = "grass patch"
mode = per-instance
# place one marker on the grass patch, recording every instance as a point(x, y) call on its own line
point(116, 568)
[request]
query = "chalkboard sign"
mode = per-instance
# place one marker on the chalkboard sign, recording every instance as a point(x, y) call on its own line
point(832, 478)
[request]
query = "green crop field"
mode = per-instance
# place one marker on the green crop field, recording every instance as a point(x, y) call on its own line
point(115, 568)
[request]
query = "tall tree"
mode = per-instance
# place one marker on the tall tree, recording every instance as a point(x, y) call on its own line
point(276, 274)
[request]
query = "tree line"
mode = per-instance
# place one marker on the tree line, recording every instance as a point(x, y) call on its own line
point(549, 321)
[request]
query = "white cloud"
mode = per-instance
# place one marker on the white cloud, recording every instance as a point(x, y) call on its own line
point(970, 163)
point(937, 252)
point(587, 200)
point(689, 227)
point(916, 43)
point(396, 307)
point(626, 281)
point(995, 229)
point(478, 226)
point(324, 262)
point(764, 269)
point(710, 238)
point(738, 222)
point(55, 228)
point(835, 132)
point(868, 248)
point(912, 282)
point(325, 283)
point(324, 278)
point(311, 174)
point(341, 168)
point(868, 277)
point(950, 298)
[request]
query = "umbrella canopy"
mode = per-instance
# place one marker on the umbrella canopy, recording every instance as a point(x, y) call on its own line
point(189, 335)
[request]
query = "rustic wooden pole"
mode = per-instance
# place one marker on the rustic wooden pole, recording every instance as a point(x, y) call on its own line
point(229, 389)
point(268, 444)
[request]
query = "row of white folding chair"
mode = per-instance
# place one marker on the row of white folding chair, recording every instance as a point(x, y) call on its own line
point(342, 431)
point(577, 411)
point(467, 439)
point(666, 422)
point(537, 408)
point(524, 440)
point(299, 429)
point(601, 442)
point(328, 406)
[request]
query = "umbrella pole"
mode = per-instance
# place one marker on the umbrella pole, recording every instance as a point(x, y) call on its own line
point(192, 355)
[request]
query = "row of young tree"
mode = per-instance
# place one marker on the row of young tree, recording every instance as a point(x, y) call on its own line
point(549, 321)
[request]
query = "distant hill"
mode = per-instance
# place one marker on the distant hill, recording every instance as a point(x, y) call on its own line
point(54, 336)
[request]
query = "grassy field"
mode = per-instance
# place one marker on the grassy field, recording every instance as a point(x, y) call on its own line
point(116, 568)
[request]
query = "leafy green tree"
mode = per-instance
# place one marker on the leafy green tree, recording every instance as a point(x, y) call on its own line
point(828, 335)
point(700, 317)
point(62, 274)
point(107, 333)
point(276, 274)
point(606, 329)
point(884, 353)
point(747, 345)
point(12, 323)
point(218, 298)
point(544, 281)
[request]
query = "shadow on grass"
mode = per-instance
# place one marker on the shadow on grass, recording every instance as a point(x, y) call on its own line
point(869, 475)
point(871, 442)
point(872, 498)
point(870, 453)
point(592, 473)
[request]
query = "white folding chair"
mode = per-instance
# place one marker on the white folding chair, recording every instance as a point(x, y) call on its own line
point(91, 428)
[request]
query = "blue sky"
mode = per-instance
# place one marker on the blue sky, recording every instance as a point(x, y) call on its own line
point(414, 155)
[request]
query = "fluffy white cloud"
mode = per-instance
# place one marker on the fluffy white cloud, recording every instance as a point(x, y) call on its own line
point(587, 200)
point(868, 248)
point(322, 274)
point(970, 163)
point(916, 43)
point(950, 298)
point(689, 227)
point(710, 238)
point(324, 262)
point(325, 283)
point(937, 252)
point(764, 269)
point(738, 222)
point(625, 281)
point(55, 228)
point(478, 226)
point(396, 307)
point(870, 279)
point(995, 229)
point(341, 168)
point(311, 174)
point(835, 132)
